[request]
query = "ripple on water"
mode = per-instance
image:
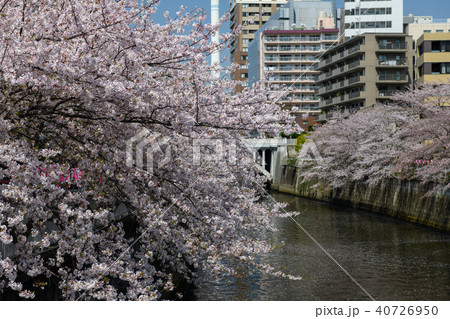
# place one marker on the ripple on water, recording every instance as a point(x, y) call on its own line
point(391, 259)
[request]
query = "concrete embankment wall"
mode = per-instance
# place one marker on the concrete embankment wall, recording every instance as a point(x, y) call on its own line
point(400, 199)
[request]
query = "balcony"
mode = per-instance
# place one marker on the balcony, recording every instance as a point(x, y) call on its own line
point(320, 117)
point(386, 93)
point(393, 46)
point(392, 77)
point(354, 95)
point(293, 78)
point(401, 62)
point(354, 79)
point(353, 49)
point(354, 64)
point(330, 37)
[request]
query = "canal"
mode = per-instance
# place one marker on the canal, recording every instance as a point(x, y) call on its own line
point(390, 259)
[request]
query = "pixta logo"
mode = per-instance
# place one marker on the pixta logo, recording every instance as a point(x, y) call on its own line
point(152, 145)
point(309, 153)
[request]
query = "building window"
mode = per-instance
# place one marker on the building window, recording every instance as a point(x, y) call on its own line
point(244, 49)
point(439, 31)
point(440, 46)
point(244, 57)
point(285, 38)
point(426, 31)
point(244, 75)
point(244, 40)
point(440, 68)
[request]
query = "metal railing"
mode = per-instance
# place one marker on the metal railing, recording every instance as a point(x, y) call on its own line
point(393, 62)
point(392, 77)
point(354, 64)
point(386, 92)
point(393, 46)
point(354, 49)
point(354, 95)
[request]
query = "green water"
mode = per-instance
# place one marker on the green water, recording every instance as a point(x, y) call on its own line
point(390, 259)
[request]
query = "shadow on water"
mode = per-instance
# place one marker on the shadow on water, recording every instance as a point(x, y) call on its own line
point(391, 259)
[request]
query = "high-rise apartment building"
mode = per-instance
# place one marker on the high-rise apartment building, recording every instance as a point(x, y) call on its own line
point(433, 58)
point(365, 70)
point(243, 11)
point(372, 16)
point(286, 51)
point(290, 58)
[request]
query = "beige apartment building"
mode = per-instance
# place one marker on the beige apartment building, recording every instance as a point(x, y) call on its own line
point(365, 70)
point(243, 11)
point(415, 26)
point(433, 58)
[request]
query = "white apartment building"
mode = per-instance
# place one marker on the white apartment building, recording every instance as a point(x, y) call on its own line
point(373, 16)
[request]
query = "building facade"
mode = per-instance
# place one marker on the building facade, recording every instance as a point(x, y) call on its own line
point(372, 16)
point(243, 11)
point(290, 58)
point(286, 51)
point(433, 58)
point(415, 26)
point(365, 70)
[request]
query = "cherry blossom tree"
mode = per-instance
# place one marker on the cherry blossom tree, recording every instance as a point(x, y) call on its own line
point(354, 147)
point(78, 80)
point(427, 134)
point(405, 139)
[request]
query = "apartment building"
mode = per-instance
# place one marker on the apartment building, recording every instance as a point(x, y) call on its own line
point(243, 11)
point(372, 16)
point(286, 51)
point(365, 70)
point(415, 26)
point(290, 58)
point(433, 58)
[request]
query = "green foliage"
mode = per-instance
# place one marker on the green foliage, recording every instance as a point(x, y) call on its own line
point(291, 161)
point(300, 141)
point(293, 135)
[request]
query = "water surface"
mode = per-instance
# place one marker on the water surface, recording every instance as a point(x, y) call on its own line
point(391, 259)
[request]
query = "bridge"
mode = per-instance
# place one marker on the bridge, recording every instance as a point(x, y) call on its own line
point(270, 155)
